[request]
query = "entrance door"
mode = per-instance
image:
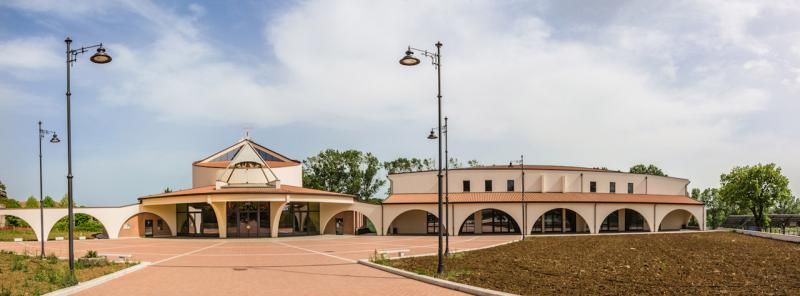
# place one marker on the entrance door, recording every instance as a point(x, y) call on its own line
point(248, 224)
point(339, 226)
point(148, 228)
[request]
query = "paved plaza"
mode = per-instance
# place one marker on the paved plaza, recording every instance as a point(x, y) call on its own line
point(298, 265)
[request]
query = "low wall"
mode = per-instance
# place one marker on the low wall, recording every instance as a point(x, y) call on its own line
point(775, 236)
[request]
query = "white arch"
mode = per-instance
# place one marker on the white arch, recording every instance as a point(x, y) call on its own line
point(461, 212)
point(646, 210)
point(30, 216)
point(663, 210)
point(584, 210)
point(329, 210)
point(392, 211)
point(140, 213)
point(394, 217)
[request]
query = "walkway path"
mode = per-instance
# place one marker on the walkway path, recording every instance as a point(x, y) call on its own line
point(298, 266)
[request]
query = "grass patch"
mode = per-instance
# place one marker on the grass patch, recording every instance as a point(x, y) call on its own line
point(655, 264)
point(22, 274)
point(8, 234)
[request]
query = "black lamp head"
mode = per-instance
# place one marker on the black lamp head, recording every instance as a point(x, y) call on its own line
point(100, 57)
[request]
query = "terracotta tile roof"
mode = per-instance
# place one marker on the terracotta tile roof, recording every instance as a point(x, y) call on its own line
point(285, 189)
point(527, 167)
point(224, 164)
point(471, 197)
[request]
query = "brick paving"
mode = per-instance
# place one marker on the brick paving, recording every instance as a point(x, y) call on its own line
point(315, 265)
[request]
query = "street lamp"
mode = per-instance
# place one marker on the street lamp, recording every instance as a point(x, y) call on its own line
point(521, 163)
point(433, 136)
point(54, 140)
point(410, 60)
point(100, 57)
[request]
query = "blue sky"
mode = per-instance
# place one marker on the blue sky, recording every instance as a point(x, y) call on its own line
point(695, 87)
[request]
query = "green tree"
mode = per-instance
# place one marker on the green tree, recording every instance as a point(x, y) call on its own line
point(647, 170)
point(787, 205)
point(406, 165)
point(64, 202)
point(11, 220)
point(454, 163)
point(755, 188)
point(3, 193)
point(716, 210)
point(31, 202)
point(49, 202)
point(350, 172)
point(473, 163)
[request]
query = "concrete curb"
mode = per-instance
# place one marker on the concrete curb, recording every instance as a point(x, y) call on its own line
point(97, 281)
point(775, 236)
point(434, 281)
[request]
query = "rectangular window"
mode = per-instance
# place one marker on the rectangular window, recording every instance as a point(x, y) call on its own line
point(630, 188)
point(466, 185)
point(612, 187)
point(593, 186)
point(432, 224)
point(510, 185)
point(487, 185)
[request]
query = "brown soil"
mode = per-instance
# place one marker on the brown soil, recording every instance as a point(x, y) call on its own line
point(653, 264)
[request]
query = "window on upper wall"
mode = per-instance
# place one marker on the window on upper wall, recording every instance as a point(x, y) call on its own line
point(510, 185)
point(466, 185)
point(630, 188)
point(593, 186)
point(487, 185)
point(612, 187)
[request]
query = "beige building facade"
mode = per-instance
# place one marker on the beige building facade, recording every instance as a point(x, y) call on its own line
point(248, 191)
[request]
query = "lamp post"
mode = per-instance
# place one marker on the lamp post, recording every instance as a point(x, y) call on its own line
point(522, 189)
point(433, 136)
point(100, 57)
point(410, 60)
point(42, 133)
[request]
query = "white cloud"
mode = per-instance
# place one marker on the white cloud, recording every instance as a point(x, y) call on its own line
point(687, 84)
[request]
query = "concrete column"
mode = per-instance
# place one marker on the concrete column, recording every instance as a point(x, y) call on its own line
point(478, 222)
point(275, 210)
point(621, 219)
point(220, 211)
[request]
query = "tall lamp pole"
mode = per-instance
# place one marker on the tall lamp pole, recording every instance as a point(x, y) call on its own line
point(100, 57)
point(42, 133)
point(433, 136)
point(410, 60)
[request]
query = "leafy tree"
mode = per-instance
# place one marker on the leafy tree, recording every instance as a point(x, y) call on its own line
point(349, 172)
point(12, 203)
point(167, 190)
point(3, 193)
point(11, 220)
point(64, 202)
point(787, 205)
point(473, 163)
point(49, 202)
point(716, 210)
point(31, 202)
point(755, 188)
point(647, 170)
point(406, 165)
